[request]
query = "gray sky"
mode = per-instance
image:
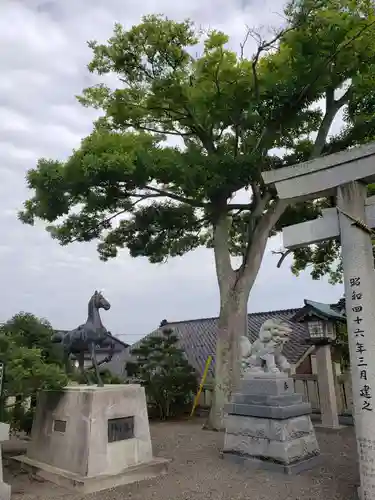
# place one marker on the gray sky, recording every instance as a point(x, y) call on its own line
point(43, 59)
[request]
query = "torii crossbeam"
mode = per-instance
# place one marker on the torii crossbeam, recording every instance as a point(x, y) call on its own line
point(324, 228)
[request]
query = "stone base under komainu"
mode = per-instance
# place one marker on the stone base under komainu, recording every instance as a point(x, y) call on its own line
point(268, 426)
point(91, 438)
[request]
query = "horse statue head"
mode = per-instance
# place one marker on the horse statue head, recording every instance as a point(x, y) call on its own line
point(99, 301)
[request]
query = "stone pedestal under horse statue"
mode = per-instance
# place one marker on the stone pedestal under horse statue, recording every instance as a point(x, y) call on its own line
point(86, 337)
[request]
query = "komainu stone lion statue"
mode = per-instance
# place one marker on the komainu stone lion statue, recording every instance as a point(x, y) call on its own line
point(265, 354)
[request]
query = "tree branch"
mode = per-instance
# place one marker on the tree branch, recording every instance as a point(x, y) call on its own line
point(330, 97)
point(345, 98)
point(256, 193)
point(177, 197)
point(143, 197)
point(262, 47)
point(268, 220)
point(284, 255)
point(258, 207)
point(257, 246)
point(167, 110)
point(195, 126)
point(243, 44)
point(238, 206)
point(332, 107)
point(325, 125)
point(261, 204)
point(156, 131)
point(104, 222)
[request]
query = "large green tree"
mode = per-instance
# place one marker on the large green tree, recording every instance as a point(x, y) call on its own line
point(229, 117)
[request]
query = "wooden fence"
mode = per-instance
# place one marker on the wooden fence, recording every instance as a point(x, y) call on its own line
point(308, 386)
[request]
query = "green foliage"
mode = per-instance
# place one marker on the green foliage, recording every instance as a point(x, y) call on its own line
point(341, 348)
point(20, 417)
point(227, 114)
point(109, 378)
point(31, 362)
point(161, 366)
point(106, 375)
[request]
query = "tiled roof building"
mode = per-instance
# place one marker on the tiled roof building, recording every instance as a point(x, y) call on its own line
point(198, 336)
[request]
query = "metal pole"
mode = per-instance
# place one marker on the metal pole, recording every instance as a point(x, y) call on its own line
point(204, 376)
point(359, 280)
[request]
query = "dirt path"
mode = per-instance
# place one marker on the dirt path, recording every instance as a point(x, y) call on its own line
point(198, 473)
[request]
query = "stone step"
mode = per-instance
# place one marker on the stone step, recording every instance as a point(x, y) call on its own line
point(284, 452)
point(274, 430)
point(270, 465)
point(86, 485)
point(271, 386)
point(263, 411)
point(266, 400)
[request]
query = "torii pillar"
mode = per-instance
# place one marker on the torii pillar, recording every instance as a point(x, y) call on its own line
point(345, 175)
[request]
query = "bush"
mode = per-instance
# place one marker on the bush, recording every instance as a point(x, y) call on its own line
point(32, 363)
point(162, 368)
point(21, 418)
point(106, 375)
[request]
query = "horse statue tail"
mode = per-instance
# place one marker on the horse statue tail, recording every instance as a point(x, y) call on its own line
point(57, 337)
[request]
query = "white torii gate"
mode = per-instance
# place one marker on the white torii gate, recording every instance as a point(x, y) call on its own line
point(346, 175)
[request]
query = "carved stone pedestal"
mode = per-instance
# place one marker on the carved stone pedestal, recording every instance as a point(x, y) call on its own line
point(268, 426)
point(91, 438)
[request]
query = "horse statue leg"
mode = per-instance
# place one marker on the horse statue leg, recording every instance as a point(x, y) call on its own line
point(66, 360)
point(81, 366)
point(95, 364)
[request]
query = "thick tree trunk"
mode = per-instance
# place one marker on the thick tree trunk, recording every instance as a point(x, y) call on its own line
point(227, 368)
point(234, 289)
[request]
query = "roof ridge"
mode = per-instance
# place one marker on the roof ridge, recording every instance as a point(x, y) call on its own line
point(275, 311)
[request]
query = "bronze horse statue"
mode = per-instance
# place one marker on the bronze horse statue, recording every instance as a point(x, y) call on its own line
point(87, 337)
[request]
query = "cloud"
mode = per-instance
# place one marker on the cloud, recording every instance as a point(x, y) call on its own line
point(43, 66)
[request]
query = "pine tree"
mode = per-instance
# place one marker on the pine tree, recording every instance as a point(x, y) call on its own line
point(161, 366)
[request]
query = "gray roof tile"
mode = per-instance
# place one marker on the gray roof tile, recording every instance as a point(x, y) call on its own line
point(197, 337)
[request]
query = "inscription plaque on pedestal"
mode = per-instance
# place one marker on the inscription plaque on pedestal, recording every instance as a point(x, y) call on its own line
point(120, 429)
point(59, 425)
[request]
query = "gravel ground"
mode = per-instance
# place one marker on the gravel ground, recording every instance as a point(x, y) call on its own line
point(198, 473)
